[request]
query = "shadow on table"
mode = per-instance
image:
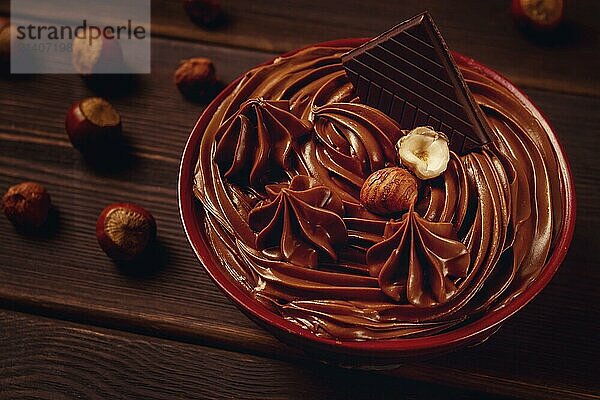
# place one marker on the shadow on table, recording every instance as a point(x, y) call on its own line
point(112, 158)
point(568, 35)
point(112, 86)
point(47, 230)
point(149, 265)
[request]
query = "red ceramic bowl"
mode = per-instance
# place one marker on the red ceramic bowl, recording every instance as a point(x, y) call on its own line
point(374, 352)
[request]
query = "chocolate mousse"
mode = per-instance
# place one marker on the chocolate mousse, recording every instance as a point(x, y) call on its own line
point(280, 171)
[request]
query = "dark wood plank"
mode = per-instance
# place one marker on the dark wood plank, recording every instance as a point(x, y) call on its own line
point(49, 359)
point(537, 354)
point(157, 123)
point(484, 30)
point(566, 61)
point(480, 29)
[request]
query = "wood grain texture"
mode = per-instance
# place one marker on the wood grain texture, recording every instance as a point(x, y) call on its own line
point(545, 351)
point(46, 359)
point(484, 30)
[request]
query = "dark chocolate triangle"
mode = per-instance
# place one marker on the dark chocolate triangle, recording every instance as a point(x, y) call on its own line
point(409, 74)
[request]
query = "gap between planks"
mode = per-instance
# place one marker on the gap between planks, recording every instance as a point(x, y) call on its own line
point(260, 343)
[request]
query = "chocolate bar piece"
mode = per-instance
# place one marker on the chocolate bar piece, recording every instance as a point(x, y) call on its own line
point(409, 74)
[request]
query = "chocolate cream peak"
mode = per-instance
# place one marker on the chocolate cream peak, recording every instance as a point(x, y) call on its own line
point(280, 179)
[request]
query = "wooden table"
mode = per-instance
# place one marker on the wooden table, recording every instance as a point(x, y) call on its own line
point(73, 325)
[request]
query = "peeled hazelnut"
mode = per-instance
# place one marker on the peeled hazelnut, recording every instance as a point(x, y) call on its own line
point(96, 55)
point(125, 231)
point(195, 77)
point(91, 123)
point(205, 13)
point(389, 190)
point(26, 205)
point(540, 15)
point(424, 152)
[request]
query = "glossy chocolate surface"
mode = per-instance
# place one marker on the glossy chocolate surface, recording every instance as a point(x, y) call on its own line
point(279, 173)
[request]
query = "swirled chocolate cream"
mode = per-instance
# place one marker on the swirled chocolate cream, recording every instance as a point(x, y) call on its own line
point(379, 192)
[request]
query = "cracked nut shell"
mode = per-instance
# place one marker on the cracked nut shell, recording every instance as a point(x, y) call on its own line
point(125, 231)
point(92, 123)
point(538, 15)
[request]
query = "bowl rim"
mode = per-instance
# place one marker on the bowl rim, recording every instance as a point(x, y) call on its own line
point(455, 337)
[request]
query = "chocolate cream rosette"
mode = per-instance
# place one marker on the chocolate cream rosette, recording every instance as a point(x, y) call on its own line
point(370, 201)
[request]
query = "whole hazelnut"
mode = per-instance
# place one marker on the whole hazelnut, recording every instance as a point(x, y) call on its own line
point(195, 77)
point(26, 205)
point(4, 45)
point(205, 13)
point(92, 123)
point(96, 55)
point(539, 15)
point(389, 190)
point(125, 231)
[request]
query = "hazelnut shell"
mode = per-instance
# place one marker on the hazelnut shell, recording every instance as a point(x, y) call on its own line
point(196, 77)
point(92, 123)
point(389, 190)
point(26, 205)
point(204, 13)
point(544, 15)
point(125, 231)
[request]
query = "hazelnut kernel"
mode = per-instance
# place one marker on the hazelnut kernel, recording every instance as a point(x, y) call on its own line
point(96, 56)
